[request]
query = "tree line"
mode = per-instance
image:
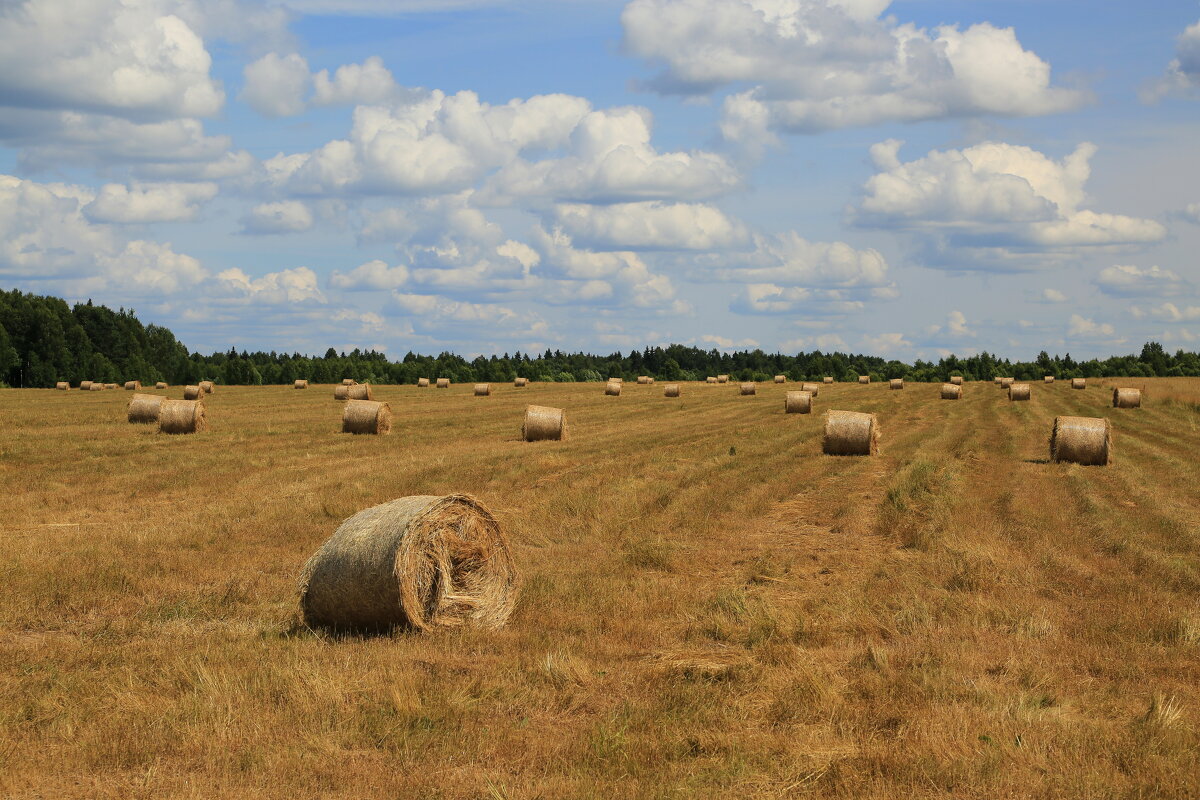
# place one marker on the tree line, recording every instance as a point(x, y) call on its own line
point(43, 340)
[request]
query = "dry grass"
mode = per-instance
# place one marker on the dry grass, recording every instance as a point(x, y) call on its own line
point(710, 607)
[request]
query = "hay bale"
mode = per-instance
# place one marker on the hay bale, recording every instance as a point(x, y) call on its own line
point(520, 382)
point(711, 379)
point(366, 416)
point(96, 387)
point(422, 383)
point(181, 416)
point(110, 386)
point(160, 385)
point(812, 388)
point(951, 391)
point(1048, 379)
point(483, 389)
point(341, 392)
point(1127, 398)
point(192, 393)
point(956, 380)
point(1006, 383)
point(422, 562)
point(133, 386)
point(827, 379)
point(616, 380)
point(300, 384)
point(781, 379)
point(544, 423)
point(850, 433)
point(644, 380)
point(144, 408)
point(1078, 383)
point(63, 386)
point(208, 387)
point(722, 379)
point(896, 383)
point(1081, 440)
point(864, 379)
point(747, 388)
point(360, 391)
point(671, 390)
point(1018, 391)
point(443, 383)
point(612, 389)
point(85, 386)
point(348, 381)
point(996, 380)
point(797, 402)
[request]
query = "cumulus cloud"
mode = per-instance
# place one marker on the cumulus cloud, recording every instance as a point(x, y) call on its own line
point(1192, 213)
point(149, 202)
point(1083, 328)
point(288, 216)
point(769, 298)
point(650, 226)
point(373, 275)
point(152, 267)
point(1132, 281)
point(1052, 296)
point(1183, 72)
point(820, 64)
point(788, 259)
point(1172, 313)
point(276, 85)
point(826, 342)
point(286, 287)
point(885, 344)
point(282, 86)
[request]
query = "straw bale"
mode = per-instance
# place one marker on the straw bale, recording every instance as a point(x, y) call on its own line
point(722, 379)
point(145, 407)
point(1018, 391)
point(956, 380)
point(208, 387)
point(366, 416)
point(110, 386)
point(542, 423)
point(341, 392)
point(711, 379)
point(483, 389)
point(827, 379)
point(645, 380)
point(423, 383)
point(1048, 379)
point(850, 433)
point(799, 402)
point(1127, 398)
point(781, 379)
point(300, 384)
point(348, 381)
point(62, 386)
point(612, 389)
point(443, 383)
point(360, 391)
point(616, 380)
point(864, 379)
point(96, 387)
point(996, 380)
point(85, 386)
point(671, 390)
point(812, 388)
point(951, 391)
point(192, 393)
point(747, 388)
point(133, 386)
point(896, 383)
point(422, 563)
point(160, 385)
point(181, 416)
point(1078, 383)
point(520, 382)
point(1006, 383)
point(1081, 440)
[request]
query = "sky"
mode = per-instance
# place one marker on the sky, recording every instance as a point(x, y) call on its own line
point(906, 179)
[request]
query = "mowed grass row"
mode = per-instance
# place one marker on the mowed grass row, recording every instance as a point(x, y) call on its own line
point(709, 605)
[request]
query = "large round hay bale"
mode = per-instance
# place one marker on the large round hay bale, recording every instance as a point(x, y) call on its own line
point(359, 391)
point(781, 379)
point(145, 407)
point(1081, 440)
point(711, 379)
point(160, 385)
point(62, 386)
point(1048, 379)
point(366, 416)
point(1006, 383)
point(520, 382)
point(644, 380)
point(300, 384)
point(208, 387)
point(95, 387)
point(341, 392)
point(827, 379)
point(747, 388)
point(422, 383)
point(110, 386)
point(133, 386)
point(612, 389)
point(1127, 398)
point(956, 380)
point(192, 393)
point(85, 386)
point(348, 381)
point(797, 402)
point(850, 433)
point(1078, 383)
point(483, 389)
point(420, 562)
point(671, 390)
point(812, 388)
point(616, 380)
point(443, 383)
point(896, 383)
point(181, 416)
point(864, 379)
point(997, 380)
point(544, 423)
point(1018, 392)
point(722, 379)
point(951, 391)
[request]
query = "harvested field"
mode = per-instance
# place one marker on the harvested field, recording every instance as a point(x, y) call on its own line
point(708, 606)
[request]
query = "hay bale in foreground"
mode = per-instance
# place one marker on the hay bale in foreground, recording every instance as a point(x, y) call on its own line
point(1081, 440)
point(160, 385)
point(951, 391)
point(366, 416)
point(612, 389)
point(896, 383)
point(341, 392)
point(722, 379)
point(422, 562)
point(181, 416)
point(644, 380)
point(1127, 398)
point(348, 381)
point(812, 388)
point(543, 423)
point(133, 386)
point(711, 379)
point(1048, 379)
point(864, 379)
point(63, 386)
point(850, 433)
point(671, 390)
point(144, 408)
point(85, 386)
point(781, 379)
point(443, 383)
point(1078, 383)
point(1018, 392)
point(827, 379)
point(360, 391)
point(747, 388)
point(520, 382)
point(483, 389)
point(956, 380)
point(300, 384)
point(208, 387)
point(797, 402)
point(422, 383)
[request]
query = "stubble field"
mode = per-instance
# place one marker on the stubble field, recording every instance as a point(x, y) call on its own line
point(709, 606)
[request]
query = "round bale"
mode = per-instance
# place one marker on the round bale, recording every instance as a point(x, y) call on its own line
point(341, 392)
point(722, 379)
point(996, 380)
point(443, 383)
point(747, 388)
point(1078, 383)
point(181, 416)
point(366, 416)
point(360, 391)
point(85, 386)
point(1127, 398)
point(644, 380)
point(133, 386)
point(812, 388)
point(850, 433)
point(951, 391)
point(1048, 379)
point(62, 386)
point(956, 380)
point(827, 379)
point(192, 393)
point(896, 383)
point(160, 385)
point(671, 390)
point(422, 383)
point(483, 389)
point(208, 387)
point(1006, 383)
point(145, 408)
point(520, 382)
point(544, 423)
point(864, 379)
point(612, 389)
point(797, 402)
point(348, 381)
point(300, 384)
point(1018, 392)
point(95, 387)
point(1081, 440)
point(781, 379)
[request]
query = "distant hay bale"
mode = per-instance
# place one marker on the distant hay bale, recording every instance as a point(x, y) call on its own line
point(644, 380)
point(1078, 383)
point(996, 380)
point(360, 391)
point(616, 380)
point(956, 380)
point(208, 387)
point(1018, 391)
point(896, 383)
point(348, 381)
point(850, 433)
point(95, 387)
point(366, 416)
point(483, 389)
point(181, 416)
point(1127, 398)
point(1006, 383)
point(812, 388)
point(341, 392)
point(443, 383)
point(543, 423)
point(160, 385)
point(145, 408)
point(1081, 440)
point(671, 390)
point(951, 391)
point(300, 384)
point(1048, 379)
point(110, 386)
point(827, 379)
point(722, 379)
point(422, 562)
point(192, 393)
point(711, 379)
point(423, 383)
point(747, 389)
point(864, 379)
point(63, 386)
point(520, 382)
point(612, 389)
point(781, 379)
point(85, 386)
point(797, 402)
point(133, 386)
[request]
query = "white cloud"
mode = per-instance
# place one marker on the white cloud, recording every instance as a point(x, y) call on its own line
point(282, 86)
point(788, 259)
point(956, 324)
point(821, 64)
point(1083, 328)
point(1132, 281)
point(1183, 72)
point(1192, 213)
point(277, 85)
point(769, 298)
point(288, 216)
point(149, 202)
point(827, 342)
point(1053, 296)
point(286, 287)
point(724, 343)
point(650, 226)
point(372, 275)
point(368, 83)
point(885, 344)
point(1172, 313)
point(151, 267)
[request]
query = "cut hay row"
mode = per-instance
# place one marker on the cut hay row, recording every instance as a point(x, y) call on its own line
point(366, 416)
point(1081, 440)
point(181, 416)
point(850, 433)
point(1127, 398)
point(144, 408)
point(671, 390)
point(1018, 392)
point(543, 423)
point(797, 402)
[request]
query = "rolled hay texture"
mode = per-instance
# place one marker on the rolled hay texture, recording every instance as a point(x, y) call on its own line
point(644, 380)
point(443, 383)
point(1081, 440)
point(781, 379)
point(711, 379)
point(341, 392)
point(797, 402)
point(422, 562)
point(671, 390)
point(1006, 383)
point(996, 380)
point(360, 391)
point(616, 380)
point(366, 416)
point(483, 389)
point(520, 382)
point(827, 379)
point(422, 383)
point(956, 380)
point(722, 379)
point(110, 386)
point(896, 383)
point(543, 423)
point(1127, 398)
point(1048, 379)
point(160, 385)
point(133, 386)
point(747, 388)
point(1078, 383)
point(85, 386)
point(144, 408)
point(208, 387)
point(864, 379)
point(812, 388)
point(1018, 391)
point(850, 433)
point(951, 391)
point(62, 386)
point(348, 381)
point(192, 393)
point(612, 389)
point(181, 416)
point(300, 384)
point(96, 387)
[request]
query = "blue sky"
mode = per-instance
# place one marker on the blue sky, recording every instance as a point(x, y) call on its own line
point(907, 179)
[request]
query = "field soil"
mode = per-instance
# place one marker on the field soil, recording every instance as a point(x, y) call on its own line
point(709, 606)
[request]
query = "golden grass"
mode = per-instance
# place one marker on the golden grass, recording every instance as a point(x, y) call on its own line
point(710, 607)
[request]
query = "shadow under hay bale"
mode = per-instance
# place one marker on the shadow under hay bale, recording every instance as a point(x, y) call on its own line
point(896, 383)
point(747, 389)
point(422, 562)
point(181, 416)
point(850, 433)
point(422, 383)
point(1082, 440)
point(144, 408)
point(956, 380)
point(543, 423)
point(341, 392)
point(192, 393)
point(360, 391)
point(1127, 398)
point(1018, 392)
point(1078, 383)
point(443, 383)
point(612, 389)
point(951, 391)
point(797, 402)
point(63, 386)
point(671, 390)
point(483, 389)
point(781, 379)
point(300, 384)
point(366, 417)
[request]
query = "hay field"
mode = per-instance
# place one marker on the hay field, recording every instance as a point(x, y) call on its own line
point(709, 608)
